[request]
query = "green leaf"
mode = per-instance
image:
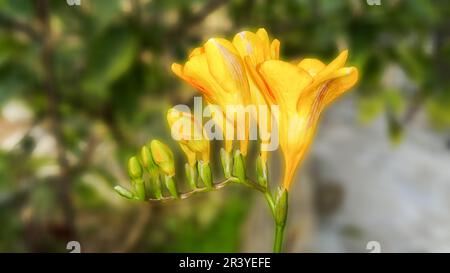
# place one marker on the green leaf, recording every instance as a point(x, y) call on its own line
point(110, 56)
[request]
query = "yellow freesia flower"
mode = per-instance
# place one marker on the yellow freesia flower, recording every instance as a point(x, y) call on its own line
point(188, 131)
point(302, 92)
point(218, 72)
point(256, 48)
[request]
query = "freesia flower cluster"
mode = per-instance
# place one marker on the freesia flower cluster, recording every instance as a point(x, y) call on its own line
point(247, 70)
point(242, 72)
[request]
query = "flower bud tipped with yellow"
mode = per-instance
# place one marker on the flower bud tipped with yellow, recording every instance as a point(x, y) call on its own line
point(163, 157)
point(134, 168)
point(147, 161)
point(190, 135)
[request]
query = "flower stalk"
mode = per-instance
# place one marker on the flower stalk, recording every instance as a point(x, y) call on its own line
point(244, 71)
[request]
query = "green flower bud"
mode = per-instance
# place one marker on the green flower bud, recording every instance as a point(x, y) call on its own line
point(139, 188)
point(204, 171)
point(163, 157)
point(191, 176)
point(261, 172)
point(239, 166)
point(281, 207)
point(156, 186)
point(124, 192)
point(147, 161)
point(134, 168)
point(225, 159)
point(171, 186)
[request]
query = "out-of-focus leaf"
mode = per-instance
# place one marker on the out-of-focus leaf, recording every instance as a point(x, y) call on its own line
point(369, 107)
point(109, 57)
point(438, 109)
point(105, 11)
point(395, 102)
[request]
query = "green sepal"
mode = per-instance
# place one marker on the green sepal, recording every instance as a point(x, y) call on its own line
point(204, 171)
point(171, 186)
point(124, 192)
point(225, 159)
point(261, 172)
point(139, 188)
point(239, 167)
point(191, 176)
point(281, 207)
point(147, 161)
point(156, 186)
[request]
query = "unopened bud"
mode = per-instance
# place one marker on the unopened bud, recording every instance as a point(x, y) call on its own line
point(239, 166)
point(147, 161)
point(134, 168)
point(163, 157)
point(171, 186)
point(204, 171)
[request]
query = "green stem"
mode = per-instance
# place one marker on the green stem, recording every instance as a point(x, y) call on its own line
point(280, 216)
point(278, 243)
point(270, 202)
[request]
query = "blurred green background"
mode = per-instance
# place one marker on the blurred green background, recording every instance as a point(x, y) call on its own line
point(83, 87)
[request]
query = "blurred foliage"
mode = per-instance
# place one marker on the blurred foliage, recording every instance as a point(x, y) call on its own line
point(108, 64)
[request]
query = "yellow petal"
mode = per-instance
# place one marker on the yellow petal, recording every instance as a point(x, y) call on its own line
point(275, 49)
point(264, 38)
point(345, 79)
point(249, 44)
point(331, 67)
point(262, 34)
point(188, 131)
point(226, 66)
point(312, 66)
point(190, 155)
point(196, 51)
point(325, 74)
point(286, 81)
point(196, 70)
point(340, 81)
point(259, 82)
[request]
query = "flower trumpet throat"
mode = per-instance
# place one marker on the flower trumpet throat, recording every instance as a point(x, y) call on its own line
point(301, 91)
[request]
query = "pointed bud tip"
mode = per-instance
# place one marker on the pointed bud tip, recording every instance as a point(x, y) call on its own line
point(134, 168)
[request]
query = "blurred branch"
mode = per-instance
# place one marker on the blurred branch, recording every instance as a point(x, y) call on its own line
point(53, 101)
point(10, 24)
point(192, 19)
point(134, 233)
point(440, 65)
